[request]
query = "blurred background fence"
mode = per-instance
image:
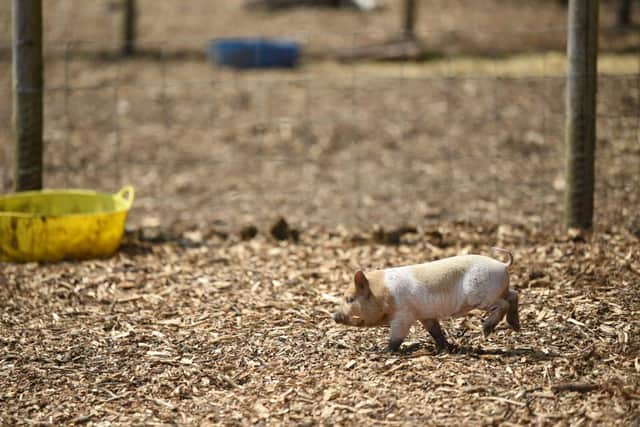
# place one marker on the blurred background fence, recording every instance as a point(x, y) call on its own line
point(473, 130)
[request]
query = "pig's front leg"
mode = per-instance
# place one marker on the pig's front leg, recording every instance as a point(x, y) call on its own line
point(399, 330)
point(433, 327)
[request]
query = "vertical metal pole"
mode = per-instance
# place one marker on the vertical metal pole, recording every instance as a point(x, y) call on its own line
point(27, 93)
point(580, 131)
point(129, 27)
point(409, 23)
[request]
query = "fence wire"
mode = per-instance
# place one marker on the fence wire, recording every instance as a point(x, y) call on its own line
point(454, 138)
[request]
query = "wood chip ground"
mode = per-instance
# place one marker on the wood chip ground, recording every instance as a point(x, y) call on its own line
point(239, 332)
point(204, 318)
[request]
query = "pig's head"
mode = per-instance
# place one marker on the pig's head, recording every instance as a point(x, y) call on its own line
point(363, 304)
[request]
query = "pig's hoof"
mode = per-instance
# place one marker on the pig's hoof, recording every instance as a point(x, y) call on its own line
point(442, 348)
point(393, 346)
point(410, 348)
point(487, 329)
point(387, 349)
point(513, 322)
point(447, 348)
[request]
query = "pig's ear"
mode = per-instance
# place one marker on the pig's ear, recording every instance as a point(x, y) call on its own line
point(362, 284)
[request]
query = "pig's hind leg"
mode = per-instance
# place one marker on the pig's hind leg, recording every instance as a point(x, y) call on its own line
point(512, 313)
point(433, 327)
point(497, 311)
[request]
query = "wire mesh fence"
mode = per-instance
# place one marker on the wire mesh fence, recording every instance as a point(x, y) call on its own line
point(475, 133)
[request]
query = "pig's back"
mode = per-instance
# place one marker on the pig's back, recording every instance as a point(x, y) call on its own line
point(443, 274)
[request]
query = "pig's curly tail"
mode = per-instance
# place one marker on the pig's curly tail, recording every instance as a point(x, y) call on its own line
point(507, 252)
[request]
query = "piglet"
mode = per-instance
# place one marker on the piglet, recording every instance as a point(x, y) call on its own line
point(428, 292)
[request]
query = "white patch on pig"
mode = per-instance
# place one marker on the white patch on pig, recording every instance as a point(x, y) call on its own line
point(480, 286)
point(413, 299)
point(483, 283)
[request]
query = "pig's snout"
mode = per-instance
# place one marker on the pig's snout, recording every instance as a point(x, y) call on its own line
point(338, 316)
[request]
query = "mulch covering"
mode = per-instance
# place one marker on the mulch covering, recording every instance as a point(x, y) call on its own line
point(231, 325)
point(236, 331)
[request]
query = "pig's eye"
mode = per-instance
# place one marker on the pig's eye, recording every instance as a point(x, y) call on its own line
point(350, 300)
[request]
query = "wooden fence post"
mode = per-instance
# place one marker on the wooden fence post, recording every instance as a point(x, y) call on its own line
point(129, 28)
point(580, 130)
point(623, 18)
point(27, 93)
point(409, 21)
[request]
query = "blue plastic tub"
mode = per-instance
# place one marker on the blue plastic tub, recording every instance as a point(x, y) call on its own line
point(254, 53)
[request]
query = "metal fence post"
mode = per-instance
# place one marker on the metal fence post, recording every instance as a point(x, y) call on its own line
point(580, 130)
point(129, 27)
point(27, 93)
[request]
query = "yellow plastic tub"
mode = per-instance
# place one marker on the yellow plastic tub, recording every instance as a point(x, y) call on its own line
point(53, 225)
